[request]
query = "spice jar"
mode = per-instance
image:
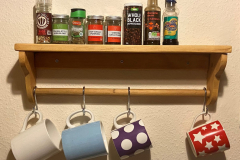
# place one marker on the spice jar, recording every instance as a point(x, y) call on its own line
point(44, 21)
point(77, 25)
point(133, 24)
point(60, 29)
point(95, 29)
point(113, 30)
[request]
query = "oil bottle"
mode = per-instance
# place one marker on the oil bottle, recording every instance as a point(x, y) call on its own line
point(170, 23)
point(152, 23)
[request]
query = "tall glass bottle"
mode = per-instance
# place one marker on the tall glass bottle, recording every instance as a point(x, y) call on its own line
point(44, 21)
point(152, 25)
point(170, 19)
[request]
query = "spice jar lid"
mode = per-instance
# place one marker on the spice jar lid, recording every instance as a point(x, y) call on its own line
point(96, 17)
point(61, 16)
point(113, 18)
point(78, 13)
point(133, 4)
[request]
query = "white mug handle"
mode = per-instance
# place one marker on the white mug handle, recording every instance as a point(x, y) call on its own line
point(70, 116)
point(117, 126)
point(27, 118)
point(194, 121)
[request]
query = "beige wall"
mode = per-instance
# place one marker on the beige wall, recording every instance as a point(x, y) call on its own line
point(167, 119)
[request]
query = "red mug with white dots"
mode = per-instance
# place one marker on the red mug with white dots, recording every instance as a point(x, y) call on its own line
point(208, 138)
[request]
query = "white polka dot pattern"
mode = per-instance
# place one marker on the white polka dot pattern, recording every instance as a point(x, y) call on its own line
point(141, 123)
point(126, 144)
point(115, 134)
point(142, 138)
point(129, 128)
point(131, 139)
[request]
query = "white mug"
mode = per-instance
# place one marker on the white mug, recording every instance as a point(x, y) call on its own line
point(39, 142)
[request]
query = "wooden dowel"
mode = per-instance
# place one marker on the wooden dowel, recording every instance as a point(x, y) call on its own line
point(122, 92)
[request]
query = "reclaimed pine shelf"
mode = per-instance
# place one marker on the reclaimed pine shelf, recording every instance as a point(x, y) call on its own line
point(211, 58)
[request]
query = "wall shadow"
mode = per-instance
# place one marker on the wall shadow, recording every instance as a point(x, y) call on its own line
point(216, 156)
point(115, 77)
point(113, 155)
point(10, 156)
point(17, 80)
point(223, 83)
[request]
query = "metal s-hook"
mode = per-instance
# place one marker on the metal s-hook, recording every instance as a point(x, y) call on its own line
point(128, 106)
point(205, 109)
point(84, 107)
point(35, 97)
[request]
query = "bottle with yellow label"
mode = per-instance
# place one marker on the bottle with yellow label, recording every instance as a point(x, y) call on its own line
point(170, 23)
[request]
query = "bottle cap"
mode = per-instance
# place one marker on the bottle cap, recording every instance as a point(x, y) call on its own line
point(113, 18)
point(63, 16)
point(133, 4)
point(96, 17)
point(174, 1)
point(43, 2)
point(78, 13)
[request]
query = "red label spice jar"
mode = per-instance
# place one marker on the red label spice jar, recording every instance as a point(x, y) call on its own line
point(95, 29)
point(132, 24)
point(113, 30)
point(44, 21)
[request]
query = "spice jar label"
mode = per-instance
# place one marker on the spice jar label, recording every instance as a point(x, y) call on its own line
point(44, 24)
point(77, 29)
point(95, 33)
point(171, 27)
point(60, 32)
point(133, 25)
point(114, 34)
point(134, 19)
point(152, 25)
point(76, 23)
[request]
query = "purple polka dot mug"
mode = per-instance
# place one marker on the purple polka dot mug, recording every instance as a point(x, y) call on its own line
point(130, 139)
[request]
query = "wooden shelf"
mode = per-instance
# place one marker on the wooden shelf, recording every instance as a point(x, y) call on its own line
point(212, 59)
point(123, 48)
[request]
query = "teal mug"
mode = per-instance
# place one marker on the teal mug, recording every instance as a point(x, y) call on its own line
point(85, 141)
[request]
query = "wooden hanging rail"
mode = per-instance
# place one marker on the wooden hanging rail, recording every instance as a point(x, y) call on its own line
point(210, 58)
point(122, 92)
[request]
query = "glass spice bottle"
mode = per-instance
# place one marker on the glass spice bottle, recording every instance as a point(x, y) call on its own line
point(77, 25)
point(44, 21)
point(152, 23)
point(95, 29)
point(113, 30)
point(170, 23)
point(60, 29)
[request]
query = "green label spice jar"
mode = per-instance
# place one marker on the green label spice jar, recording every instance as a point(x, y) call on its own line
point(77, 25)
point(60, 29)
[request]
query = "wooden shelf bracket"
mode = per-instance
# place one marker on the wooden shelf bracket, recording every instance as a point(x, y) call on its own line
point(32, 56)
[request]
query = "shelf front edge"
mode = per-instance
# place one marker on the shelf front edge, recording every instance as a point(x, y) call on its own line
point(218, 49)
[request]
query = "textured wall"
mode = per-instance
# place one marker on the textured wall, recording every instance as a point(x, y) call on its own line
point(166, 119)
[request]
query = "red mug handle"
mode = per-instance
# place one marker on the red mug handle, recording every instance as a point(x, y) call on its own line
point(203, 113)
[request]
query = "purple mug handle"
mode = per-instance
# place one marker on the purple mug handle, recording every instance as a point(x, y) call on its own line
point(117, 126)
point(203, 113)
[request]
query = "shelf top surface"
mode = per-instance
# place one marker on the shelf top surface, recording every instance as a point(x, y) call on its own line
point(124, 48)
